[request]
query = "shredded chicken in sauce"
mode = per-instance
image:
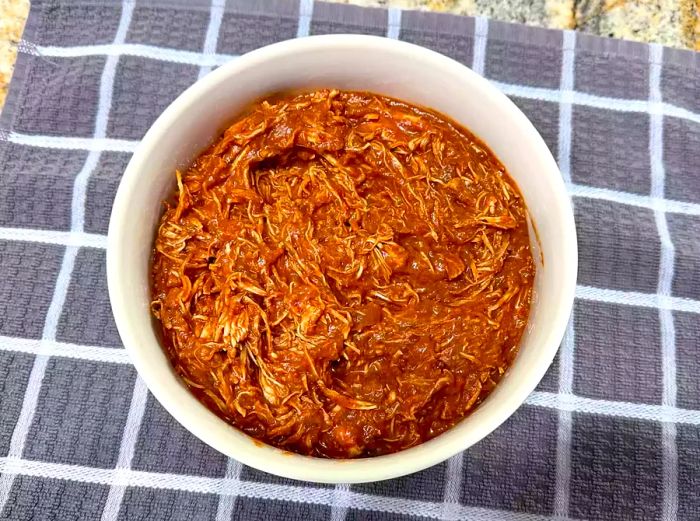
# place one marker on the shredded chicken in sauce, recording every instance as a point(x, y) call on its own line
point(343, 274)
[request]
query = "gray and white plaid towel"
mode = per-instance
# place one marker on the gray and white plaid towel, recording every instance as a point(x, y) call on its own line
point(613, 431)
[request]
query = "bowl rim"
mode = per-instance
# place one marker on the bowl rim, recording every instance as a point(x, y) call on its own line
point(264, 457)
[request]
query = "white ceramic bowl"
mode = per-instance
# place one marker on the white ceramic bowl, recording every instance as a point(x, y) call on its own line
point(380, 65)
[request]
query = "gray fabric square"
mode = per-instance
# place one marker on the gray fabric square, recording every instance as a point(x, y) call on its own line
point(514, 467)
point(428, 485)
point(286, 8)
point(611, 149)
point(550, 381)
point(251, 508)
point(688, 447)
point(449, 35)
point(611, 67)
point(165, 27)
point(680, 84)
point(71, 23)
point(29, 272)
point(687, 359)
point(81, 413)
point(258, 476)
point(33, 498)
point(87, 315)
point(515, 55)
point(616, 468)
point(143, 88)
point(681, 156)
point(102, 188)
point(255, 26)
point(371, 515)
point(331, 18)
point(61, 97)
point(165, 446)
point(15, 369)
point(619, 353)
point(37, 187)
point(619, 247)
point(685, 232)
point(148, 504)
point(545, 116)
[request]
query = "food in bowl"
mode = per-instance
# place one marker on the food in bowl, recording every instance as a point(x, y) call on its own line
point(343, 274)
point(355, 63)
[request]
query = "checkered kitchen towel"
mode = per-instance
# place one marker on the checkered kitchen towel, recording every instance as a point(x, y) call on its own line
point(613, 431)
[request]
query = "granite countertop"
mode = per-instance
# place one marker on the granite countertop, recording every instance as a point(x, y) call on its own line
point(675, 23)
point(13, 13)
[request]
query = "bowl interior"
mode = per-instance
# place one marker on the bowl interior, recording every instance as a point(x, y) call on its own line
point(362, 63)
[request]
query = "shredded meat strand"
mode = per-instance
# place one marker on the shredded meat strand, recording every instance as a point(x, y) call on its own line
point(342, 274)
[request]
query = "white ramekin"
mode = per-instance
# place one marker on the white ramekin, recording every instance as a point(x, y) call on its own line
point(380, 65)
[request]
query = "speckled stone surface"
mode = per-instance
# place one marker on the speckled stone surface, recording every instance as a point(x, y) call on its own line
point(556, 14)
point(13, 13)
point(675, 23)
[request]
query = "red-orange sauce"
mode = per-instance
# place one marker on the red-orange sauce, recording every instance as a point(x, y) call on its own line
point(342, 274)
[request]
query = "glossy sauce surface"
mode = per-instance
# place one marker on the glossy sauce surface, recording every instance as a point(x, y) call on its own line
point(342, 274)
